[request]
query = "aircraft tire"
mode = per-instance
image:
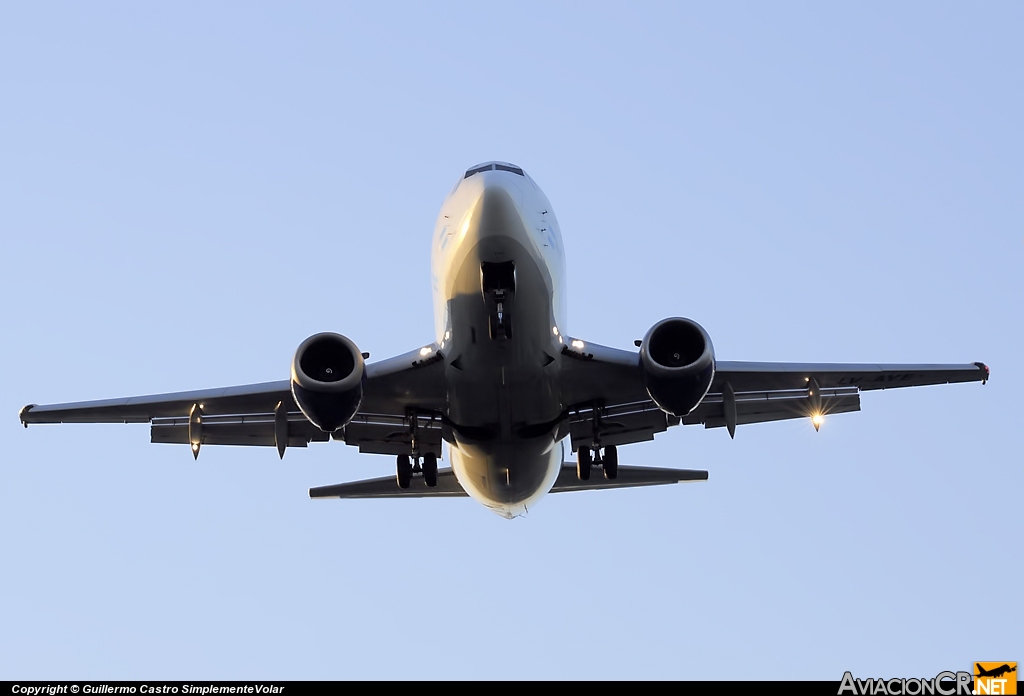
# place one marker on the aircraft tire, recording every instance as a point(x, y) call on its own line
point(584, 458)
point(404, 473)
point(611, 463)
point(430, 470)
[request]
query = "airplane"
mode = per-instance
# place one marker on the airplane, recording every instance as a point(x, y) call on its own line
point(994, 672)
point(503, 383)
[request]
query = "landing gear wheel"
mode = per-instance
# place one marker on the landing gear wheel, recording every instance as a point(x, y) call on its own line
point(611, 463)
point(430, 470)
point(404, 474)
point(584, 458)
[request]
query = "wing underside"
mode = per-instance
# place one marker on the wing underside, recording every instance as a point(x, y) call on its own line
point(405, 397)
point(612, 406)
point(401, 395)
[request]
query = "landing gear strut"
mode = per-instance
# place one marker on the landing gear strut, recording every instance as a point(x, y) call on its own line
point(499, 324)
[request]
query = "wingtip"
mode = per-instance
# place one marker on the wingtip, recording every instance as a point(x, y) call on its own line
point(984, 368)
point(23, 412)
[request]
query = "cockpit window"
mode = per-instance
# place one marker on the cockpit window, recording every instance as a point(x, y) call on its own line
point(491, 166)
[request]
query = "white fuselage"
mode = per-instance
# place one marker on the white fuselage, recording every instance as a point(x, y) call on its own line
point(502, 350)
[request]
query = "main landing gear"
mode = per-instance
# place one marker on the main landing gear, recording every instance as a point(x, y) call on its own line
point(608, 460)
point(406, 469)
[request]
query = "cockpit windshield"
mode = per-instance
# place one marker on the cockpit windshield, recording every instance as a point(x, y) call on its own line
point(492, 166)
point(477, 170)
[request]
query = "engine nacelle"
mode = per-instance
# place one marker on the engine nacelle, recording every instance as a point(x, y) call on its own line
point(327, 380)
point(679, 364)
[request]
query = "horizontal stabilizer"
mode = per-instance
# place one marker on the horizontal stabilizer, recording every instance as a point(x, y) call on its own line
point(629, 477)
point(387, 487)
point(448, 486)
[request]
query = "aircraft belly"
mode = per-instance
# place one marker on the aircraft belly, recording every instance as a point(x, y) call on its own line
point(504, 397)
point(508, 478)
point(502, 384)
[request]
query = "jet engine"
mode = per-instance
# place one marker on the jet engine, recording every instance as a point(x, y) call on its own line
point(679, 364)
point(327, 380)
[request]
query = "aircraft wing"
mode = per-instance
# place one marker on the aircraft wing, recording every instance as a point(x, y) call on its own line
point(448, 486)
point(606, 387)
point(266, 414)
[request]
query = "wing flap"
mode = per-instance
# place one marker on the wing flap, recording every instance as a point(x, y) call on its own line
point(371, 433)
point(380, 433)
point(620, 424)
point(769, 406)
point(250, 429)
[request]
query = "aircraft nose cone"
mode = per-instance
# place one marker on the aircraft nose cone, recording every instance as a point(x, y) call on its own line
point(497, 209)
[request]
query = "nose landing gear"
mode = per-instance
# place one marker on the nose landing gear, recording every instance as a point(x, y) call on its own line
point(499, 323)
point(498, 285)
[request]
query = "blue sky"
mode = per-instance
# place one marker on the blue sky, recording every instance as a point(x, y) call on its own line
point(188, 192)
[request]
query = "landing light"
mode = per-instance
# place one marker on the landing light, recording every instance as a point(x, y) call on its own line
point(817, 419)
point(554, 330)
point(577, 344)
point(426, 350)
